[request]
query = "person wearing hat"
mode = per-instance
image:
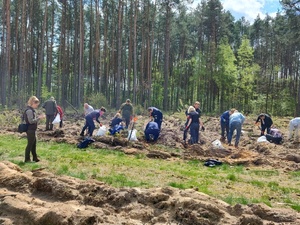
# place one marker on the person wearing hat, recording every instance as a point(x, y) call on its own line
point(157, 115)
point(126, 109)
point(50, 111)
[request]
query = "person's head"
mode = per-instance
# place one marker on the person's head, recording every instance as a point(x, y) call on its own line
point(231, 111)
point(262, 116)
point(86, 105)
point(52, 98)
point(128, 101)
point(33, 102)
point(191, 109)
point(118, 115)
point(150, 109)
point(196, 105)
point(103, 109)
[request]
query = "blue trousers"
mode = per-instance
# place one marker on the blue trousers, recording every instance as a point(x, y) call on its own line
point(194, 130)
point(90, 125)
point(235, 126)
point(224, 127)
point(150, 132)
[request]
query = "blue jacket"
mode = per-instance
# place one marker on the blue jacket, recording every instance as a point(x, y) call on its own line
point(156, 113)
point(225, 117)
point(236, 117)
point(152, 125)
point(94, 115)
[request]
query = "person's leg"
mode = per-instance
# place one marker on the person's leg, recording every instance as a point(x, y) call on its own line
point(47, 122)
point(33, 150)
point(61, 123)
point(84, 128)
point(263, 128)
point(197, 128)
point(127, 121)
point(223, 125)
point(291, 129)
point(229, 138)
point(30, 144)
point(146, 132)
point(50, 122)
point(238, 133)
point(227, 130)
point(193, 133)
point(156, 134)
point(91, 128)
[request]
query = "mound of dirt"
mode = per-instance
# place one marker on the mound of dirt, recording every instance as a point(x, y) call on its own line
point(39, 198)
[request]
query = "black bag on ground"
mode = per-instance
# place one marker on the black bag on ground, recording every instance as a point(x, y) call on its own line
point(212, 162)
point(85, 142)
point(275, 136)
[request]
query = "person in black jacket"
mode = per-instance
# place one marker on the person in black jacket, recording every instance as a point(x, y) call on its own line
point(50, 111)
point(32, 120)
point(265, 122)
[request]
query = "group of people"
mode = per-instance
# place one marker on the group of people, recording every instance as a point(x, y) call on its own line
point(230, 121)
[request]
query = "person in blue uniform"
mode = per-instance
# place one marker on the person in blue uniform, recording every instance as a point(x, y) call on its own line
point(89, 121)
point(116, 124)
point(224, 121)
point(152, 131)
point(193, 124)
point(157, 115)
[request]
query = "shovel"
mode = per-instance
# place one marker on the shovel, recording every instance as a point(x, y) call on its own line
point(133, 122)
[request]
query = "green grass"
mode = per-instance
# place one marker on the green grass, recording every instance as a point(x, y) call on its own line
point(233, 184)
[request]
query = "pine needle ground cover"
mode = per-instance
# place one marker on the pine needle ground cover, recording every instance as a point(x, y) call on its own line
point(233, 184)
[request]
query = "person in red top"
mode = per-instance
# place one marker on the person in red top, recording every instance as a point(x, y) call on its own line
point(61, 114)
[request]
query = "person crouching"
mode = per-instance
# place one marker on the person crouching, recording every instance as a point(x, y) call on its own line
point(152, 131)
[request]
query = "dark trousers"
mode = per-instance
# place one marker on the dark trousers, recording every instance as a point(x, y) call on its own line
point(49, 120)
point(31, 145)
point(224, 127)
point(151, 132)
point(263, 128)
point(158, 120)
point(126, 118)
point(194, 130)
point(89, 123)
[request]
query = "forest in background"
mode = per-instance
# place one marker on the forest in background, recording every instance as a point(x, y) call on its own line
point(155, 52)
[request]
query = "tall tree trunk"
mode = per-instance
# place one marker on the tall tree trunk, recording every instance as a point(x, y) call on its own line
point(167, 58)
point(120, 28)
point(41, 53)
point(135, 51)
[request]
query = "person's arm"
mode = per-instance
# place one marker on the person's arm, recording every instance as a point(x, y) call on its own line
point(243, 118)
point(97, 117)
point(189, 123)
point(31, 120)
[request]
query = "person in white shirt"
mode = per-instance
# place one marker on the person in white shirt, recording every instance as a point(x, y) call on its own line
point(87, 108)
point(294, 127)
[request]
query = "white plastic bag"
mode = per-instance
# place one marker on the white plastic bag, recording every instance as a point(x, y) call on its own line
point(101, 131)
point(132, 135)
point(217, 144)
point(262, 139)
point(56, 119)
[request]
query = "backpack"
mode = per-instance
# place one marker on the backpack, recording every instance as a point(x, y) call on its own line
point(212, 162)
point(275, 136)
point(85, 142)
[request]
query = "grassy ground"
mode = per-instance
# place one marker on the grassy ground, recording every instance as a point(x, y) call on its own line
point(233, 184)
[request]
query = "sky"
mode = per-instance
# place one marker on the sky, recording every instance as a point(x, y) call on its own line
point(250, 8)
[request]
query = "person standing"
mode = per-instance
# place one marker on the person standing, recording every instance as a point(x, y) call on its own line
point(294, 127)
point(126, 109)
point(89, 121)
point(193, 124)
point(224, 122)
point(236, 121)
point(157, 115)
point(32, 120)
point(265, 123)
point(50, 110)
point(87, 108)
point(61, 114)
